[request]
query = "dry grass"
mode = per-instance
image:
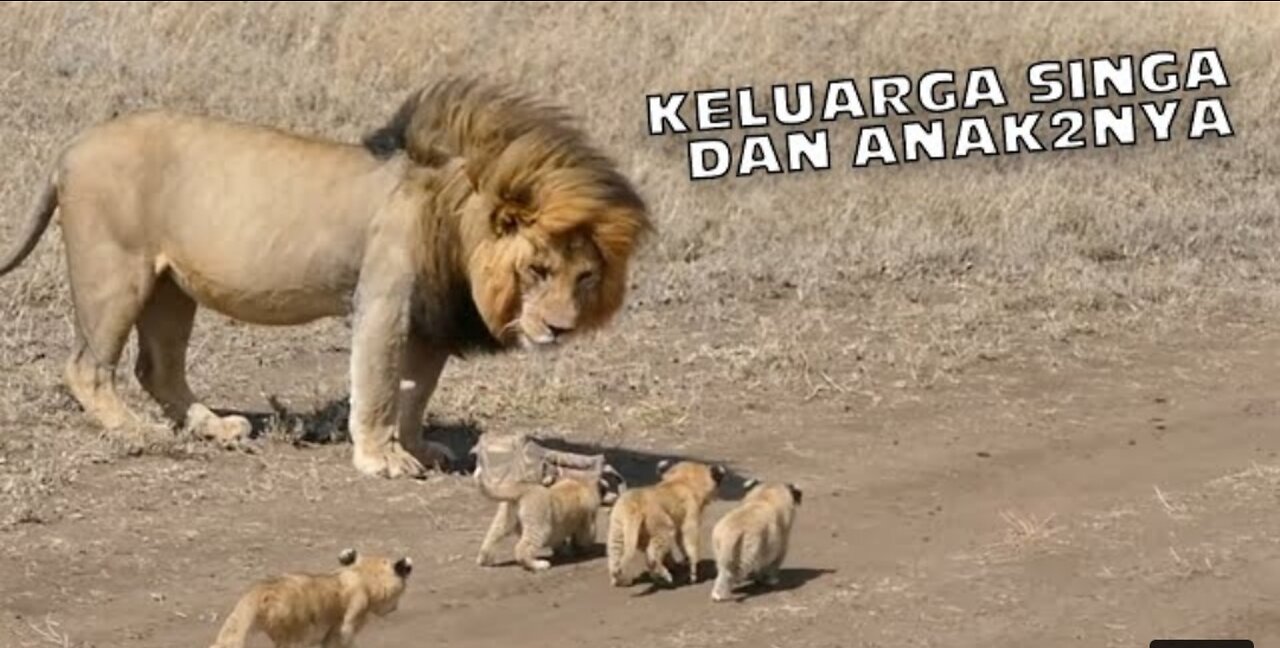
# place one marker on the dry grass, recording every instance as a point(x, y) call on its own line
point(842, 286)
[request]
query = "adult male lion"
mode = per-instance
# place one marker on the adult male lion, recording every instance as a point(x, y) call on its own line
point(475, 220)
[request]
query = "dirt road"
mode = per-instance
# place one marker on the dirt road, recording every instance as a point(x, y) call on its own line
point(1099, 506)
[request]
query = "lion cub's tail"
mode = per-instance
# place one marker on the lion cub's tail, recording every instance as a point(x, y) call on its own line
point(242, 620)
point(35, 228)
point(623, 538)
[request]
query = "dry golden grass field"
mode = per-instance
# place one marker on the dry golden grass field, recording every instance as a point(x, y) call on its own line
point(1031, 399)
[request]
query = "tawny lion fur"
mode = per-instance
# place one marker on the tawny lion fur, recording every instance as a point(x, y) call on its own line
point(476, 220)
point(561, 517)
point(751, 540)
point(655, 519)
point(328, 610)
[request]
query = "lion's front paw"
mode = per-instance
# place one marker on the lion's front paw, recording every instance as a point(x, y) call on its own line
point(391, 462)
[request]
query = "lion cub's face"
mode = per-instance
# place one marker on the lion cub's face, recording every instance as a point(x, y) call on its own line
point(383, 578)
point(558, 281)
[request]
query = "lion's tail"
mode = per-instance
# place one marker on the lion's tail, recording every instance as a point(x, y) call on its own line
point(242, 620)
point(36, 226)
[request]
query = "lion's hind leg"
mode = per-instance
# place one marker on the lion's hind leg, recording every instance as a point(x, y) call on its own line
point(108, 288)
point(536, 530)
point(164, 330)
point(533, 539)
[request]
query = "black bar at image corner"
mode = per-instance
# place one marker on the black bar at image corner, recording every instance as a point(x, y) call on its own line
point(1201, 643)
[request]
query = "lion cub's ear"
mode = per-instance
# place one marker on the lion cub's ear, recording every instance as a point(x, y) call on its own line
point(750, 484)
point(718, 473)
point(663, 466)
point(347, 557)
point(551, 474)
point(608, 495)
point(796, 493)
point(404, 567)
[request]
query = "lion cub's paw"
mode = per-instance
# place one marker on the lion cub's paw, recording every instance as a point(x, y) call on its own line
point(435, 455)
point(391, 462)
point(661, 575)
point(485, 559)
point(230, 432)
point(538, 565)
point(234, 433)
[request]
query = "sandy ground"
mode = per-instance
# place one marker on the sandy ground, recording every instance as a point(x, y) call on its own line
point(1101, 505)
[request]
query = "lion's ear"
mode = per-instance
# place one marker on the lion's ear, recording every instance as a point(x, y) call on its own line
point(504, 221)
point(347, 557)
point(508, 217)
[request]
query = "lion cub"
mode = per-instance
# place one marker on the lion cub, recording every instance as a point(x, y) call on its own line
point(750, 541)
point(655, 519)
point(560, 516)
point(303, 609)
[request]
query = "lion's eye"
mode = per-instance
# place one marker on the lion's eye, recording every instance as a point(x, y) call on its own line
point(586, 277)
point(540, 271)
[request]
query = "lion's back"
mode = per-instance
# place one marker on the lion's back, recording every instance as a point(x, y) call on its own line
point(197, 144)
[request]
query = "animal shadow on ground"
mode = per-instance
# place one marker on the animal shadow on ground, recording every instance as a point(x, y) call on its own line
point(560, 560)
point(789, 578)
point(679, 577)
point(327, 424)
point(640, 468)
